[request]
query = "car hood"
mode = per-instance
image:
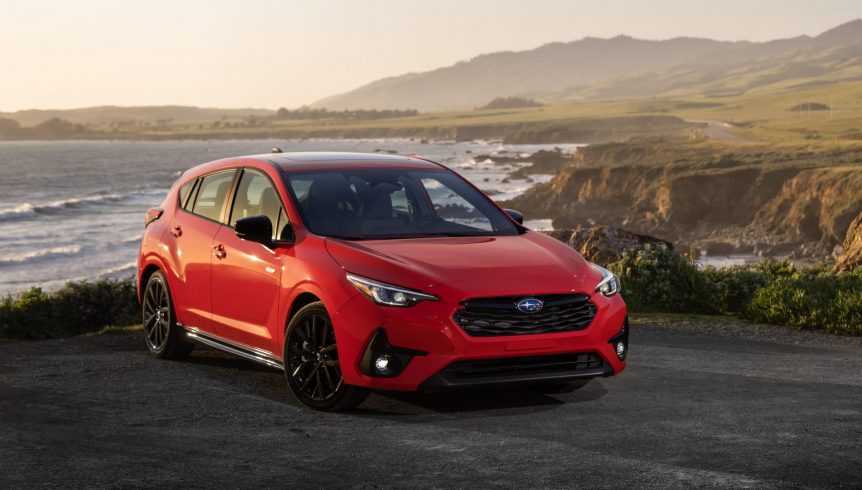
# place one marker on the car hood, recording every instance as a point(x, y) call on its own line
point(531, 263)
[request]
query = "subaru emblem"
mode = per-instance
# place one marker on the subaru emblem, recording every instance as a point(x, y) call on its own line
point(529, 305)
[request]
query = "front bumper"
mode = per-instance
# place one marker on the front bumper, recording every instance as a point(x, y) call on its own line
point(438, 347)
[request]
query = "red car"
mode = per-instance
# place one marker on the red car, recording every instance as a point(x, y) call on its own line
point(353, 272)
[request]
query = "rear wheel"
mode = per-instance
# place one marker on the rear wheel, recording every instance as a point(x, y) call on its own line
point(311, 362)
point(165, 339)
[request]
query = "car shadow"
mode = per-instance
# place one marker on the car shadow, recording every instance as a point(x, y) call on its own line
point(254, 379)
point(477, 401)
point(216, 358)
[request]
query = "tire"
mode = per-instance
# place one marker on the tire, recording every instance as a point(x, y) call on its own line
point(311, 366)
point(165, 339)
point(564, 387)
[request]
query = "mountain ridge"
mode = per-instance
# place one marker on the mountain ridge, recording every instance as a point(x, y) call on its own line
point(559, 66)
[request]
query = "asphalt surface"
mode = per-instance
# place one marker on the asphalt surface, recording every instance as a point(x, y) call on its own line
point(699, 405)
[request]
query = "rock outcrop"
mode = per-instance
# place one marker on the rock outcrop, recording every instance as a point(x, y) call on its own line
point(604, 244)
point(851, 257)
point(761, 199)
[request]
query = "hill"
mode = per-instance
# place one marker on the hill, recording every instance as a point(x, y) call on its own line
point(832, 57)
point(620, 66)
point(549, 67)
point(115, 114)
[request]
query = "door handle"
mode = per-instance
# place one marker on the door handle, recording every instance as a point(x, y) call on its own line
point(219, 251)
point(177, 231)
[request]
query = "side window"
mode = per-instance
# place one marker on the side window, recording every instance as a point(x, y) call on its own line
point(399, 201)
point(211, 194)
point(256, 196)
point(184, 192)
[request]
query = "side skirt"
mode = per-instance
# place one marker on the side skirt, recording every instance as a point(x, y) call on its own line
point(259, 356)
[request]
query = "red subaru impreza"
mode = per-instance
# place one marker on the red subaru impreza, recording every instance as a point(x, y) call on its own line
point(353, 272)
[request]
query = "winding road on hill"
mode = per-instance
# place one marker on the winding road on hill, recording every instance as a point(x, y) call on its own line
point(702, 403)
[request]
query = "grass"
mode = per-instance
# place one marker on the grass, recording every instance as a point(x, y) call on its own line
point(761, 114)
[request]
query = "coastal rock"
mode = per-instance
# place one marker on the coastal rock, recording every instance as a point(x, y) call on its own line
point(852, 254)
point(778, 199)
point(605, 244)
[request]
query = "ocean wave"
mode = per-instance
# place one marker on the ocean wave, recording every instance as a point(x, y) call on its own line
point(38, 255)
point(117, 269)
point(29, 210)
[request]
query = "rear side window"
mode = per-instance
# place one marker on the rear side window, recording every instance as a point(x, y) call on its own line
point(211, 195)
point(184, 192)
point(256, 196)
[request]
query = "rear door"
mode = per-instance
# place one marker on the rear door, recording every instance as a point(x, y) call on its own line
point(246, 276)
point(190, 240)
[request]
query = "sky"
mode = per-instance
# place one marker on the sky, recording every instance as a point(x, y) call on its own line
point(265, 53)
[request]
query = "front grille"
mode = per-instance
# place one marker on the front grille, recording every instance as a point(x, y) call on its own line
point(517, 366)
point(484, 317)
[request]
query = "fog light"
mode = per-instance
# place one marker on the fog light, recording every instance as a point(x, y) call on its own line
point(621, 350)
point(381, 364)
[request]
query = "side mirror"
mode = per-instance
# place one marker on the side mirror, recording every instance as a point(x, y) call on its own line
point(287, 234)
point(255, 229)
point(515, 215)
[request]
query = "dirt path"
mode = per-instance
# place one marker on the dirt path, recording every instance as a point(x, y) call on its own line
point(721, 131)
point(700, 405)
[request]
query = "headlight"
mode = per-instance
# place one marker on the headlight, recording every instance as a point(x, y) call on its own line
point(387, 294)
point(610, 283)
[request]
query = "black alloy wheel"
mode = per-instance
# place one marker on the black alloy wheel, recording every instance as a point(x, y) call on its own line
point(312, 367)
point(164, 337)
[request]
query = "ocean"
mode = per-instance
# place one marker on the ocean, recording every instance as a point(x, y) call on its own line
point(74, 210)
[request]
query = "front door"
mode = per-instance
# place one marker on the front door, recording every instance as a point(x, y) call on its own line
point(246, 276)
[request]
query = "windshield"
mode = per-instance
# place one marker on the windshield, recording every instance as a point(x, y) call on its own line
point(366, 204)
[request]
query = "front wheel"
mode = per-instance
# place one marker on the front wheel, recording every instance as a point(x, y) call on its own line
point(165, 339)
point(311, 362)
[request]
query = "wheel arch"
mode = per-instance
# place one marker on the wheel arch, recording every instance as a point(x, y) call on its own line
point(146, 273)
point(302, 299)
point(302, 295)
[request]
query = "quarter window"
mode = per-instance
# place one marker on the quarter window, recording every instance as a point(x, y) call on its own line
point(184, 192)
point(211, 196)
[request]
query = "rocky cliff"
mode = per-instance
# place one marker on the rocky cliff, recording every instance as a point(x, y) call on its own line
point(605, 244)
point(748, 198)
point(851, 256)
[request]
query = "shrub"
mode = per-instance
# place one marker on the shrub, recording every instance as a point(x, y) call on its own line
point(733, 287)
point(811, 299)
point(657, 279)
point(76, 308)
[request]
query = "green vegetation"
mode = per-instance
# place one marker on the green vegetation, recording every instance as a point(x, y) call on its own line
point(54, 128)
point(309, 114)
point(769, 114)
point(658, 280)
point(510, 103)
point(654, 279)
point(76, 308)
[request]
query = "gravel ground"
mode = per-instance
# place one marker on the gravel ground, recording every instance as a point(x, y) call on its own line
point(702, 403)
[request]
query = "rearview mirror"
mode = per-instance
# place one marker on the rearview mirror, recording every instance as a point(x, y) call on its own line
point(515, 215)
point(255, 229)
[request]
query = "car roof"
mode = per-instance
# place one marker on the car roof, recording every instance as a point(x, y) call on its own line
point(310, 160)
